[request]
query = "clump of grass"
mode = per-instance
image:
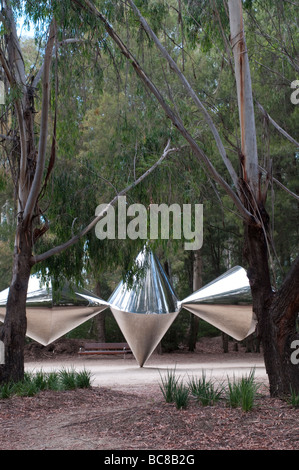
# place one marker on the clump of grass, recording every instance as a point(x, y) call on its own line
point(169, 385)
point(181, 396)
point(53, 382)
point(36, 382)
point(83, 379)
point(174, 390)
point(205, 391)
point(68, 379)
point(6, 390)
point(242, 393)
point(25, 389)
point(293, 399)
point(40, 380)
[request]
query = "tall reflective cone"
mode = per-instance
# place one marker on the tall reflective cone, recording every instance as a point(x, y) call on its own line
point(225, 303)
point(145, 310)
point(51, 314)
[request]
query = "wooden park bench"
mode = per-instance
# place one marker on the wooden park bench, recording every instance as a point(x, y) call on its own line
point(105, 348)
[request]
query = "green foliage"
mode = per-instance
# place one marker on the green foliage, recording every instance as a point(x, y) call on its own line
point(181, 396)
point(239, 393)
point(202, 23)
point(109, 131)
point(176, 334)
point(169, 385)
point(205, 391)
point(206, 330)
point(242, 393)
point(293, 399)
point(6, 390)
point(34, 383)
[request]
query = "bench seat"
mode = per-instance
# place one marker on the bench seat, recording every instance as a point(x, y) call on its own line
point(105, 348)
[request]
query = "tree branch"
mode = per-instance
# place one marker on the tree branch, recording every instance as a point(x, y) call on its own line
point(6, 137)
point(59, 44)
point(58, 249)
point(191, 93)
point(249, 160)
point(274, 123)
point(16, 55)
point(18, 106)
point(281, 185)
point(36, 185)
point(169, 112)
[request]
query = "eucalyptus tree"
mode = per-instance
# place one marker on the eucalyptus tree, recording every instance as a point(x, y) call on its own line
point(32, 124)
point(236, 175)
point(276, 311)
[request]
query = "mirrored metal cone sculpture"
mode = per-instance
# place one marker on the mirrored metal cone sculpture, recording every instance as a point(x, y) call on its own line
point(225, 303)
point(145, 311)
point(52, 314)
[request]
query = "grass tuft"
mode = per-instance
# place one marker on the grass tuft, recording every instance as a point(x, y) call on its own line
point(168, 385)
point(242, 393)
point(205, 391)
point(33, 383)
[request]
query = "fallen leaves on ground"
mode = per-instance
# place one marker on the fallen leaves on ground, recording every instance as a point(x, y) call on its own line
point(102, 418)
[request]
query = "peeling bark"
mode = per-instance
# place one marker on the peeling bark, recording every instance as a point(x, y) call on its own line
point(249, 161)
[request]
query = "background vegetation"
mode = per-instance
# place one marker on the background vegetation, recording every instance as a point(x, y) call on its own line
point(109, 130)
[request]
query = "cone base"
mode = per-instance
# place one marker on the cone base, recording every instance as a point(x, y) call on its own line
point(238, 321)
point(143, 332)
point(45, 325)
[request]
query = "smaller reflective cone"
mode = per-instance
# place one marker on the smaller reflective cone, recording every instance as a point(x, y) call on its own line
point(50, 314)
point(225, 303)
point(145, 311)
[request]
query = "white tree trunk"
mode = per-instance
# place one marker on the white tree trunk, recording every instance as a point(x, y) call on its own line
point(249, 159)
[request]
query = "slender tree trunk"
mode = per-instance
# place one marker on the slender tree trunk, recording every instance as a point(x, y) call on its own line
point(100, 319)
point(225, 339)
point(197, 284)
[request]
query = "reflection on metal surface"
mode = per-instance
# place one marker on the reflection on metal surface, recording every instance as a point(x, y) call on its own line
point(225, 303)
point(52, 314)
point(143, 333)
point(145, 310)
point(152, 293)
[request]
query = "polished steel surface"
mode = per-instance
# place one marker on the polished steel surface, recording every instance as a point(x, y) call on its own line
point(225, 303)
point(151, 293)
point(145, 310)
point(51, 314)
point(143, 332)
